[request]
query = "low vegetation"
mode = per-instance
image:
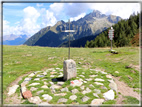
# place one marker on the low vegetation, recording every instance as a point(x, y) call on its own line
point(19, 60)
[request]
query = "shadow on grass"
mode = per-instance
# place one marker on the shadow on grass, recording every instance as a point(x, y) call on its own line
point(60, 79)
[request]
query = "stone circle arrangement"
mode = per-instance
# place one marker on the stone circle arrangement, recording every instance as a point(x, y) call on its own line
point(47, 87)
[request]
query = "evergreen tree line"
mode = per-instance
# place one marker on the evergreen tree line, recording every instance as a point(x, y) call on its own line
point(124, 32)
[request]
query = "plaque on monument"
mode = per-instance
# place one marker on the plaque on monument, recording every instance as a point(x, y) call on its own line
point(69, 67)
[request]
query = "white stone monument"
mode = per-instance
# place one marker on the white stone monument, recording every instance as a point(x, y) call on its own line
point(69, 67)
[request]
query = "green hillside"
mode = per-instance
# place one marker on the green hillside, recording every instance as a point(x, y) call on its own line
point(124, 34)
point(20, 60)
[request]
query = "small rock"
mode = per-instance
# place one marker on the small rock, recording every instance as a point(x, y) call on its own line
point(73, 97)
point(99, 79)
point(97, 101)
point(95, 94)
point(63, 100)
point(113, 86)
point(91, 85)
point(40, 92)
point(83, 73)
point(44, 73)
point(33, 84)
point(52, 76)
point(117, 72)
point(35, 100)
point(60, 83)
point(103, 72)
point(45, 83)
point(85, 81)
point(82, 87)
point(81, 80)
point(33, 88)
point(27, 79)
point(109, 76)
point(60, 75)
point(53, 73)
point(47, 97)
point(44, 86)
point(27, 94)
point(109, 95)
point(82, 76)
point(88, 79)
point(12, 89)
point(93, 75)
point(23, 89)
point(85, 98)
point(40, 75)
point(57, 68)
point(79, 62)
point(64, 89)
point(97, 91)
point(51, 83)
point(24, 83)
point(76, 83)
point(60, 94)
point(86, 91)
point(55, 86)
point(103, 87)
point(74, 91)
point(31, 75)
point(98, 83)
point(37, 79)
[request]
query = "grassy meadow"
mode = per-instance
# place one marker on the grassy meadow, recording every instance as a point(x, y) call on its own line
point(19, 60)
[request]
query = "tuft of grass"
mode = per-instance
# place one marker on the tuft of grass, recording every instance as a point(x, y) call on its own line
point(110, 102)
point(130, 100)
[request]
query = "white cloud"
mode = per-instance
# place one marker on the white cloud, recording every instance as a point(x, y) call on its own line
point(28, 25)
point(78, 17)
point(123, 10)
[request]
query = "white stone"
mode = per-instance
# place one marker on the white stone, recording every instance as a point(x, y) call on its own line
point(85, 98)
point(98, 83)
point(99, 79)
point(58, 68)
point(52, 76)
point(35, 100)
point(44, 86)
point(95, 94)
point(69, 69)
point(12, 89)
point(27, 79)
point(23, 89)
point(113, 86)
point(60, 83)
point(93, 75)
point(74, 91)
point(109, 76)
point(47, 97)
point(40, 92)
point(109, 95)
point(61, 75)
point(51, 83)
point(89, 79)
point(44, 73)
point(82, 87)
point(33, 88)
point(55, 86)
point(103, 72)
point(97, 91)
point(60, 94)
point(31, 75)
point(64, 89)
point(37, 79)
point(62, 100)
point(86, 91)
point(33, 84)
point(117, 72)
point(97, 101)
point(82, 76)
point(73, 97)
point(76, 83)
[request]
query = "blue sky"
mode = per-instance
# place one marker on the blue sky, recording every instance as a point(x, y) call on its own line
point(29, 18)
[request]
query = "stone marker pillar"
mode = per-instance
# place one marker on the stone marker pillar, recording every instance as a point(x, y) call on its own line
point(69, 67)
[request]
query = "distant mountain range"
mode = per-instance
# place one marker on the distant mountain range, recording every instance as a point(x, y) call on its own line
point(91, 24)
point(18, 41)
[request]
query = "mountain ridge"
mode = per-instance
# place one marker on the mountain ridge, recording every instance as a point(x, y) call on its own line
point(91, 24)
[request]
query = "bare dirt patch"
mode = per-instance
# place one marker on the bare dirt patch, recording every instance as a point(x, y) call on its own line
point(125, 90)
